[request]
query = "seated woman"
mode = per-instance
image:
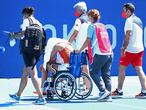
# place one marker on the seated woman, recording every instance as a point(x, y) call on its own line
point(57, 51)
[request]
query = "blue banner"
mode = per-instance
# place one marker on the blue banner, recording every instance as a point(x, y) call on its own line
point(57, 17)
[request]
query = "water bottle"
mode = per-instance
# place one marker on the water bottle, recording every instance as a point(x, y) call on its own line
point(2, 49)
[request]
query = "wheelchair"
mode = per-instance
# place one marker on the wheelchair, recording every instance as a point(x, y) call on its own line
point(70, 81)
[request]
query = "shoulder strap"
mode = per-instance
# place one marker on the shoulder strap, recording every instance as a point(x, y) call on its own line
point(30, 21)
point(80, 20)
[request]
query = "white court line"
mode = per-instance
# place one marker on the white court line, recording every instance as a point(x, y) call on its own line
point(129, 106)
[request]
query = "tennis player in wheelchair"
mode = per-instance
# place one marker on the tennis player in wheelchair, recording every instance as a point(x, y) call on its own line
point(57, 52)
point(56, 58)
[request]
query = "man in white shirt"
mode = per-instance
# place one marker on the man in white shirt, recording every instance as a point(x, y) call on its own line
point(80, 30)
point(81, 25)
point(132, 50)
point(29, 59)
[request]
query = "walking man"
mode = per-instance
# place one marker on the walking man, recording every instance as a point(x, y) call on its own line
point(132, 50)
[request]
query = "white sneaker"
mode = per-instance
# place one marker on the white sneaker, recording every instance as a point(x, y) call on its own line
point(107, 99)
point(103, 95)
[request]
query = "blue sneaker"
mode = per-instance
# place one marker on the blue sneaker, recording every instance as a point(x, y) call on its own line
point(14, 97)
point(40, 101)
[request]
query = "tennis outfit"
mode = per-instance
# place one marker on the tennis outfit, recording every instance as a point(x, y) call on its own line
point(81, 25)
point(65, 53)
point(135, 50)
point(62, 56)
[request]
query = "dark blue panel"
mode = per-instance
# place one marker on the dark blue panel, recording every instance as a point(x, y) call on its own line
point(58, 13)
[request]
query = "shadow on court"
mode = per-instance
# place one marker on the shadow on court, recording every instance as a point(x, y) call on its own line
point(7, 104)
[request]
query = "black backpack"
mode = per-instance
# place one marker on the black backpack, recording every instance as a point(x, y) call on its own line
point(34, 39)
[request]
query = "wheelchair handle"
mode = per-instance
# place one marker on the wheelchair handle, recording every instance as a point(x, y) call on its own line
point(54, 63)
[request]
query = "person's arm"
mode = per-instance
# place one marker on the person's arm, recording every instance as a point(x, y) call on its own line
point(76, 29)
point(126, 40)
point(89, 36)
point(85, 44)
point(17, 35)
point(74, 35)
point(57, 48)
point(128, 29)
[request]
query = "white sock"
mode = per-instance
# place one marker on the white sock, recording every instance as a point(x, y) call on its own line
point(120, 90)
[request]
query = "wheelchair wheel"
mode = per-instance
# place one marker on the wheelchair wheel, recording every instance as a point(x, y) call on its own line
point(82, 91)
point(65, 86)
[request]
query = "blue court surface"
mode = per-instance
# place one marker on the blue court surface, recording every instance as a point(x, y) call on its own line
point(127, 102)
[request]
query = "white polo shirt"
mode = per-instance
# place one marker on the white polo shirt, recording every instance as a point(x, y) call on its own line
point(134, 24)
point(82, 31)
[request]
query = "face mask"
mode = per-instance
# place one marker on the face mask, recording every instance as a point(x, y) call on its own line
point(124, 15)
point(76, 14)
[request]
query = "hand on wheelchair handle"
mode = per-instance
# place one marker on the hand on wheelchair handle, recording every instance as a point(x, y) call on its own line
point(77, 51)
